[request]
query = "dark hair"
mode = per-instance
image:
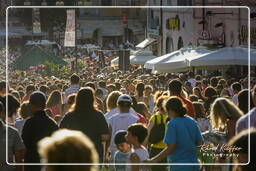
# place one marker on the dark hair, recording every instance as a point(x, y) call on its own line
point(74, 79)
point(139, 131)
point(43, 88)
point(2, 85)
point(102, 84)
point(193, 98)
point(140, 87)
point(198, 78)
point(84, 100)
point(120, 137)
point(243, 100)
point(198, 112)
point(236, 86)
point(210, 92)
point(118, 86)
point(214, 81)
point(1, 107)
point(191, 74)
point(90, 84)
point(175, 86)
point(205, 81)
point(98, 92)
point(30, 87)
point(175, 104)
point(13, 104)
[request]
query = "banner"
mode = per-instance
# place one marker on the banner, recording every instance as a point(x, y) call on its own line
point(36, 20)
point(70, 36)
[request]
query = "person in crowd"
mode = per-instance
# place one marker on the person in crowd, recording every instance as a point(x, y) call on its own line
point(160, 117)
point(175, 89)
point(66, 146)
point(241, 142)
point(102, 85)
point(243, 122)
point(111, 103)
point(203, 122)
point(86, 118)
point(74, 79)
point(224, 115)
point(140, 88)
point(3, 86)
point(124, 150)
point(122, 120)
point(180, 149)
point(188, 88)
point(143, 110)
point(150, 97)
point(24, 113)
point(70, 101)
point(191, 79)
point(236, 87)
point(36, 128)
point(15, 147)
point(205, 84)
point(193, 98)
point(54, 103)
point(243, 101)
point(225, 93)
point(29, 90)
point(214, 82)
point(136, 134)
point(210, 95)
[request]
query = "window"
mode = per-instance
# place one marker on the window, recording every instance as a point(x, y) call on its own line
point(184, 2)
point(180, 43)
point(169, 45)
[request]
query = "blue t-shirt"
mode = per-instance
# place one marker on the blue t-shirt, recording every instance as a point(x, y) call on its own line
point(121, 158)
point(185, 134)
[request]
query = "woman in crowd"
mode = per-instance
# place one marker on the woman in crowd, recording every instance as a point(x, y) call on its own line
point(180, 149)
point(54, 103)
point(159, 117)
point(197, 91)
point(24, 114)
point(111, 103)
point(203, 122)
point(210, 95)
point(224, 115)
point(86, 118)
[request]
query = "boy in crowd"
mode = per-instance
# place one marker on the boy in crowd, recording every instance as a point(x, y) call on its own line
point(124, 150)
point(136, 135)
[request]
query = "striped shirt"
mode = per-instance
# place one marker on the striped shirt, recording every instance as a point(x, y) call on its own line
point(72, 90)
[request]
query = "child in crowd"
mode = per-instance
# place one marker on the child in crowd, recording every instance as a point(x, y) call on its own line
point(136, 135)
point(203, 122)
point(124, 150)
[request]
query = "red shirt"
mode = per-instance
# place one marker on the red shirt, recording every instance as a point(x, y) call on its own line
point(189, 106)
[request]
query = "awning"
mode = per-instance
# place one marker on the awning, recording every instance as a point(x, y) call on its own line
point(146, 43)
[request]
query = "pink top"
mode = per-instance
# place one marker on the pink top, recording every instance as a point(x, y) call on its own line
point(55, 110)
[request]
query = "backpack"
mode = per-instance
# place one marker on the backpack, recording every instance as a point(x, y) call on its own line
point(157, 132)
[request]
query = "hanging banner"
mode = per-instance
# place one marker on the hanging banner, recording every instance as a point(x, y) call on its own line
point(36, 20)
point(70, 35)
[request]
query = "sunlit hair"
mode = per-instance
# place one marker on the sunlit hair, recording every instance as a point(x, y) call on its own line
point(160, 103)
point(66, 146)
point(112, 100)
point(54, 99)
point(24, 110)
point(221, 110)
point(157, 95)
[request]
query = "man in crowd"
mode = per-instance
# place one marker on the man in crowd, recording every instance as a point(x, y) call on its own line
point(36, 128)
point(175, 89)
point(243, 122)
point(73, 89)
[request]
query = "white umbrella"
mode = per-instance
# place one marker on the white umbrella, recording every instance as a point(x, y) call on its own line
point(175, 61)
point(225, 56)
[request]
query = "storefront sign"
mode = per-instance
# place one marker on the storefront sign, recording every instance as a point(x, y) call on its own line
point(36, 20)
point(173, 23)
point(70, 35)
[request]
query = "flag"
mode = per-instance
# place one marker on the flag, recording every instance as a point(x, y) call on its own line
point(70, 36)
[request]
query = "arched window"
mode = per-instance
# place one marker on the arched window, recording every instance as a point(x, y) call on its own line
point(180, 43)
point(169, 45)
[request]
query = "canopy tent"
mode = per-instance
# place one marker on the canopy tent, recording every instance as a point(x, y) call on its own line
point(224, 56)
point(139, 57)
point(36, 56)
point(145, 43)
point(175, 61)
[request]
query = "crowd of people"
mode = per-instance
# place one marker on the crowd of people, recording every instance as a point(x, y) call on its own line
point(136, 121)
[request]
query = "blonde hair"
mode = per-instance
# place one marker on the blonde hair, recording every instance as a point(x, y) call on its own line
point(66, 146)
point(112, 100)
point(221, 110)
point(54, 99)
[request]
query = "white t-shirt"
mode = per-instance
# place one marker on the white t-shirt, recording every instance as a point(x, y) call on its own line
point(192, 81)
point(115, 111)
point(235, 99)
point(120, 121)
point(142, 154)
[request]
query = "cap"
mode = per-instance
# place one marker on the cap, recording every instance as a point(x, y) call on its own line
point(124, 98)
point(38, 99)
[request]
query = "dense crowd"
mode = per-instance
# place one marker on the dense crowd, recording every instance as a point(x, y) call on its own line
point(109, 116)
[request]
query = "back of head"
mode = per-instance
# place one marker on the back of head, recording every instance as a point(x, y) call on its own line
point(120, 137)
point(74, 79)
point(102, 84)
point(176, 105)
point(30, 88)
point(243, 100)
point(38, 99)
point(85, 99)
point(236, 86)
point(112, 99)
point(175, 87)
point(214, 81)
point(139, 131)
point(66, 146)
point(2, 85)
point(24, 111)
point(210, 92)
